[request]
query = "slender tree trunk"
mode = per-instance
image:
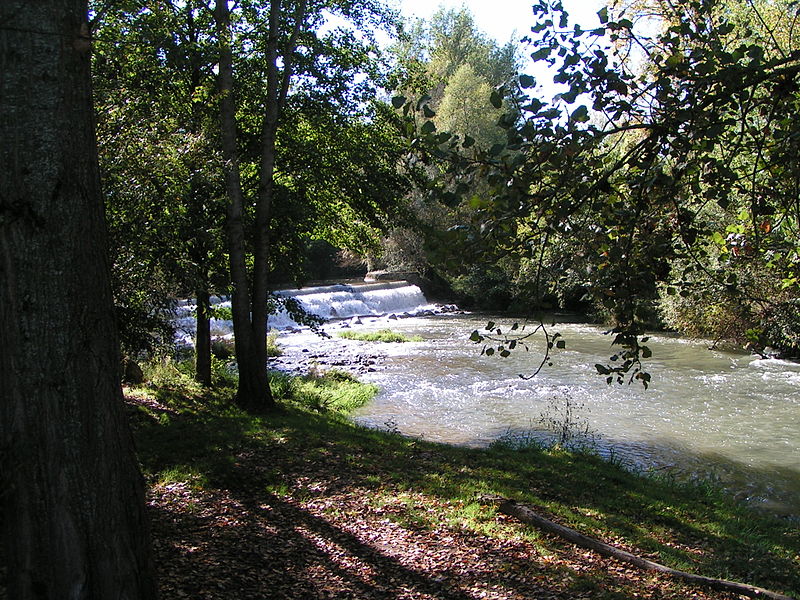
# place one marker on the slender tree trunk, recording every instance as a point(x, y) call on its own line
point(200, 248)
point(253, 391)
point(266, 190)
point(277, 88)
point(202, 344)
point(70, 489)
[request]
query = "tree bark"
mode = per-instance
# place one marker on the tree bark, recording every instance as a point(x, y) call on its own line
point(253, 390)
point(202, 344)
point(71, 492)
point(250, 294)
point(200, 248)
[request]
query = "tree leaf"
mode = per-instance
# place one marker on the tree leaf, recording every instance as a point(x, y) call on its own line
point(580, 114)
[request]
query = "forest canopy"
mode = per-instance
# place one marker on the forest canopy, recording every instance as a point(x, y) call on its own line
point(657, 189)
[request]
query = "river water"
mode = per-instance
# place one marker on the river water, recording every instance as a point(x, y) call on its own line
point(730, 418)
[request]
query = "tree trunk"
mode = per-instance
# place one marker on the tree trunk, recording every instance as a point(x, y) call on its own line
point(200, 247)
point(202, 344)
point(253, 391)
point(72, 493)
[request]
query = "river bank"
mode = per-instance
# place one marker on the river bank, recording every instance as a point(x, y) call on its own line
point(728, 418)
point(305, 504)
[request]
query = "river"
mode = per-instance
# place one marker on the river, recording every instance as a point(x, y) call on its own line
point(730, 418)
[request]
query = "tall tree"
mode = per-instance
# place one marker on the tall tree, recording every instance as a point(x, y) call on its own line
point(73, 524)
point(284, 48)
point(154, 81)
point(466, 82)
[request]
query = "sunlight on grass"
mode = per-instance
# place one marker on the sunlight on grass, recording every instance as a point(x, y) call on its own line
point(330, 391)
point(382, 335)
point(207, 441)
point(181, 474)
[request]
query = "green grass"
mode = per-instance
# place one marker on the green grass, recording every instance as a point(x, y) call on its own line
point(333, 390)
point(382, 335)
point(273, 348)
point(696, 528)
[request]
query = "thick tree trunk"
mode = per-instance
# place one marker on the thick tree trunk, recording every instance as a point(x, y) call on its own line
point(202, 343)
point(253, 391)
point(72, 495)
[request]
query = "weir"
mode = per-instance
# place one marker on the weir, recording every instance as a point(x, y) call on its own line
point(342, 301)
point(336, 301)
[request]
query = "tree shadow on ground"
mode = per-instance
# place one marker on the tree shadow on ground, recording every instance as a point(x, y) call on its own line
point(276, 549)
point(288, 512)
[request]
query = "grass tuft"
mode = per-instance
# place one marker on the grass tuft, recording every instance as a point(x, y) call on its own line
point(328, 391)
point(382, 335)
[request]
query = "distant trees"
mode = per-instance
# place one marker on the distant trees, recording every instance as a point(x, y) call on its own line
point(463, 85)
point(73, 522)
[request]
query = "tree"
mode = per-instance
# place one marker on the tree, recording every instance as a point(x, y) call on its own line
point(465, 108)
point(161, 167)
point(669, 148)
point(284, 49)
point(74, 523)
point(459, 79)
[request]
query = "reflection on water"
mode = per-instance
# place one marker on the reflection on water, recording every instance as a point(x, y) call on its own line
point(713, 414)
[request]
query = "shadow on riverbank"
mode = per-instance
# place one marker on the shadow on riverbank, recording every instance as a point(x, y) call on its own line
point(307, 505)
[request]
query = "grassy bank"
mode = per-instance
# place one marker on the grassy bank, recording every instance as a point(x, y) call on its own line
point(304, 504)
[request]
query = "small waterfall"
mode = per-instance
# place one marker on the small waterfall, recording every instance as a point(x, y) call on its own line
point(343, 301)
point(339, 301)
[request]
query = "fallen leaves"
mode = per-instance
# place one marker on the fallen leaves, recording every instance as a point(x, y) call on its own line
point(328, 536)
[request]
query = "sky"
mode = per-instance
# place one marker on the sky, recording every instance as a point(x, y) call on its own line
point(506, 20)
point(502, 19)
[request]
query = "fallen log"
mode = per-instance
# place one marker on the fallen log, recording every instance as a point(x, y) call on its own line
point(528, 515)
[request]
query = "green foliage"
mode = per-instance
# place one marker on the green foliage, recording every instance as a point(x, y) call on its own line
point(159, 161)
point(450, 85)
point(483, 287)
point(382, 335)
point(167, 373)
point(672, 152)
point(158, 105)
point(329, 391)
point(466, 110)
